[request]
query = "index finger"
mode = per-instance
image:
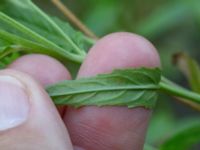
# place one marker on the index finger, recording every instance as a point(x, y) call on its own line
point(112, 128)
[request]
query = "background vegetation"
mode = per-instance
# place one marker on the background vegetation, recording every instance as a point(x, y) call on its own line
point(171, 25)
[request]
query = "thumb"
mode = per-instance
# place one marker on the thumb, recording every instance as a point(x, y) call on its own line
point(28, 119)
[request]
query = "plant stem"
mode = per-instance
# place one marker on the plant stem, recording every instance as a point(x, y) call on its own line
point(179, 92)
point(192, 104)
point(65, 10)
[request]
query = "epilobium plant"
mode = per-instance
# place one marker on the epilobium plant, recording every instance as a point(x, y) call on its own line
point(30, 30)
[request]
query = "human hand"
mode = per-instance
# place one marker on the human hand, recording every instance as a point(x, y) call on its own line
point(30, 121)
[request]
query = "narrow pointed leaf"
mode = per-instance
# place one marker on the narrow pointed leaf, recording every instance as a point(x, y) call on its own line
point(31, 23)
point(130, 87)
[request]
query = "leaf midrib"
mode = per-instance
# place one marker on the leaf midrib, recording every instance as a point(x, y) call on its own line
point(82, 91)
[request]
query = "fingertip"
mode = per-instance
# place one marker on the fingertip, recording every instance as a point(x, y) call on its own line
point(112, 127)
point(44, 69)
point(27, 110)
point(119, 50)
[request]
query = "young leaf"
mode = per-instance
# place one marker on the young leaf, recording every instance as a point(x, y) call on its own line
point(129, 87)
point(183, 139)
point(33, 25)
point(190, 68)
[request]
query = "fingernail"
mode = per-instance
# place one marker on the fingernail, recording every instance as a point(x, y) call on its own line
point(14, 103)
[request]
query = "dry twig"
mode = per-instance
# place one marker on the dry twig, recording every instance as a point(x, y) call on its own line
point(65, 10)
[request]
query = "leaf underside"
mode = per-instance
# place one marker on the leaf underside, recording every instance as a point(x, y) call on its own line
point(129, 87)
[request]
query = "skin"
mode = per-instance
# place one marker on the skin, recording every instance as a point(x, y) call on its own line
point(89, 128)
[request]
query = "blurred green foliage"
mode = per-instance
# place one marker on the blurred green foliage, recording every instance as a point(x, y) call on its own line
point(171, 25)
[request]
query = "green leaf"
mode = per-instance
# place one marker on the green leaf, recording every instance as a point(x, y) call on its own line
point(33, 25)
point(129, 87)
point(190, 68)
point(22, 44)
point(82, 41)
point(184, 138)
